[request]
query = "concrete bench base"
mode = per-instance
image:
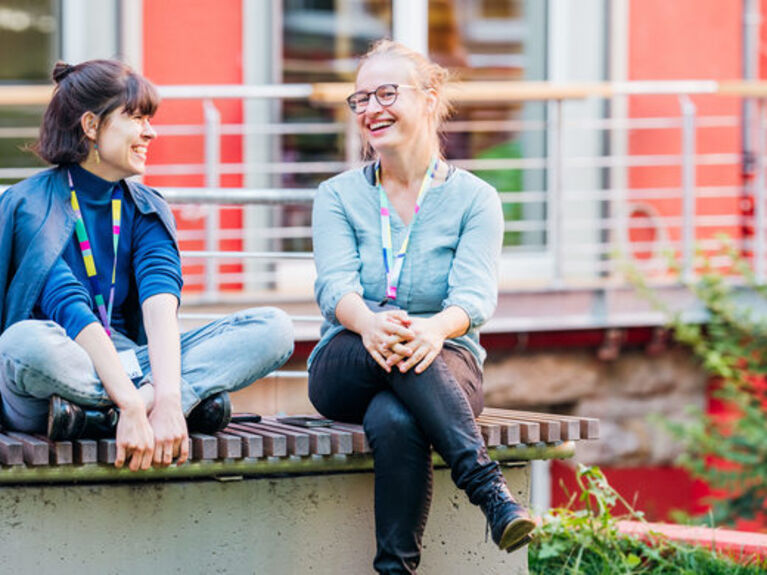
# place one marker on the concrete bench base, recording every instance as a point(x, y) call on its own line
point(319, 524)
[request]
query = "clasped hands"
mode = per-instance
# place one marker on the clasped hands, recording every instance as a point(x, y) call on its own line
point(394, 339)
point(155, 439)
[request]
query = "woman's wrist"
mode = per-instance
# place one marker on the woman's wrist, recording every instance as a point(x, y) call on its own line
point(132, 404)
point(169, 397)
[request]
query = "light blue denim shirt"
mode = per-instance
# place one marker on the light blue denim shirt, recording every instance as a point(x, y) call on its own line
point(452, 257)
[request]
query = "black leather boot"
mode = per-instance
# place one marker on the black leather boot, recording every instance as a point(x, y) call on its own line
point(67, 420)
point(211, 414)
point(510, 523)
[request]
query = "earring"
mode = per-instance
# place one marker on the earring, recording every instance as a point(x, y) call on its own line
point(96, 151)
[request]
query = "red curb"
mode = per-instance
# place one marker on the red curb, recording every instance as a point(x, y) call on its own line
point(735, 543)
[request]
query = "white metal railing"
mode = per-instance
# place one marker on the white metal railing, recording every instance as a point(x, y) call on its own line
point(567, 262)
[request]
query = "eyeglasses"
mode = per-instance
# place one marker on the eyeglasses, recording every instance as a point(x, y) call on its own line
point(386, 95)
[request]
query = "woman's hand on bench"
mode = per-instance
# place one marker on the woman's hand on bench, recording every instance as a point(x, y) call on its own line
point(134, 438)
point(171, 438)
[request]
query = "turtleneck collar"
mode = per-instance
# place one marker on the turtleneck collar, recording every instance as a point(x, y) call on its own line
point(90, 187)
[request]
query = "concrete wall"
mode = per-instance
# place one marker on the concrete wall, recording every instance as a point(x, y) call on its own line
point(310, 524)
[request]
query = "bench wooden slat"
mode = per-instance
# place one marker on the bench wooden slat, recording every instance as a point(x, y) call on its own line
point(341, 441)
point(275, 445)
point(587, 427)
point(107, 451)
point(529, 431)
point(491, 433)
point(85, 451)
point(569, 428)
point(359, 439)
point(203, 446)
point(550, 429)
point(35, 451)
point(252, 444)
point(11, 450)
point(319, 438)
point(229, 446)
point(510, 433)
point(60, 452)
point(298, 441)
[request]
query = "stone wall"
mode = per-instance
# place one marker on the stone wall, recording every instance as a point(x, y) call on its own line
point(626, 394)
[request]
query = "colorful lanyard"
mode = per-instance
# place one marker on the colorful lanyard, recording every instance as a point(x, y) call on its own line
point(105, 312)
point(393, 264)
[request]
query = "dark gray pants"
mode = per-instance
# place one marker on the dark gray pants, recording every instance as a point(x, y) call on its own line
point(404, 415)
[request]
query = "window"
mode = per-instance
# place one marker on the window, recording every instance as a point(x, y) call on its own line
point(29, 35)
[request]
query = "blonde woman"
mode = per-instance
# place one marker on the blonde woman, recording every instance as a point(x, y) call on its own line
point(406, 250)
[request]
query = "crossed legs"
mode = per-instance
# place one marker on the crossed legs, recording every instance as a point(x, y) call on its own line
point(38, 360)
point(404, 415)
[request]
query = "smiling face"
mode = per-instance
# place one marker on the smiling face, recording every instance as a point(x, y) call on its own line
point(122, 141)
point(405, 122)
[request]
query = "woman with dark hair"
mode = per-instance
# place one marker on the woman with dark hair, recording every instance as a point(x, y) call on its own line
point(406, 250)
point(90, 283)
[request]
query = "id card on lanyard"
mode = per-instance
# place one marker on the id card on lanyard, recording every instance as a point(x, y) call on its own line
point(104, 308)
point(392, 263)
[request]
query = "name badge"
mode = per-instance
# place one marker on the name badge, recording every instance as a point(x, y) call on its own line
point(130, 363)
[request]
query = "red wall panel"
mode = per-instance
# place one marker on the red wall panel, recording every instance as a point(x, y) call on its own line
point(195, 42)
point(693, 40)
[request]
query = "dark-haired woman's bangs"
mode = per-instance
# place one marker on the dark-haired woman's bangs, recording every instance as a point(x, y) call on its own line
point(140, 96)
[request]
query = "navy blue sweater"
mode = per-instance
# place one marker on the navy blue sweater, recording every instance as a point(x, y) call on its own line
point(147, 260)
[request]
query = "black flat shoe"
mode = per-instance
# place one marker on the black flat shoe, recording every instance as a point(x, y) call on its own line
point(67, 420)
point(211, 414)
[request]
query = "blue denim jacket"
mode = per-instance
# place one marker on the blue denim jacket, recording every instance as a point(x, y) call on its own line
point(452, 257)
point(36, 223)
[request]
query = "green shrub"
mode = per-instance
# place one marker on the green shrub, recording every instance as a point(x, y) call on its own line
point(728, 453)
point(587, 541)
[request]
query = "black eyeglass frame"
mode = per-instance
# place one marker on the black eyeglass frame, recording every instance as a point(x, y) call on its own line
point(356, 109)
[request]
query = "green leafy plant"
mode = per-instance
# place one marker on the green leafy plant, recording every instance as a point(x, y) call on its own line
point(587, 541)
point(728, 451)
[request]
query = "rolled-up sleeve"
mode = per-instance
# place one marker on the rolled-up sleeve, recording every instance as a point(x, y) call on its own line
point(336, 252)
point(473, 277)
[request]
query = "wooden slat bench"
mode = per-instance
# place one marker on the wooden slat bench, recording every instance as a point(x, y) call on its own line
point(509, 435)
point(286, 500)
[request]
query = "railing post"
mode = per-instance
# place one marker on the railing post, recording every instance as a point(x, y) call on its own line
point(759, 216)
point(212, 181)
point(688, 187)
point(554, 185)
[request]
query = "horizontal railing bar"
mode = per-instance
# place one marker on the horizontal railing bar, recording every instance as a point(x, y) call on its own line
point(201, 254)
point(329, 167)
point(332, 167)
point(236, 91)
point(268, 196)
point(275, 233)
point(459, 126)
point(466, 92)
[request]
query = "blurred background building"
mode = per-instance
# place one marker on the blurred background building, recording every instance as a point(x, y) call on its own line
point(611, 128)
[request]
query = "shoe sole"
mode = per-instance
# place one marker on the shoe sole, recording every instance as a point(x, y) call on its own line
point(516, 534)
point(521, 543)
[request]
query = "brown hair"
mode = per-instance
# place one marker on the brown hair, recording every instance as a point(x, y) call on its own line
point(426, 74)
point(98, 86)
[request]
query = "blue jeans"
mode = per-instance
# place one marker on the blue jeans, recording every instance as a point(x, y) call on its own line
point(403, 416)
point(38, 360)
